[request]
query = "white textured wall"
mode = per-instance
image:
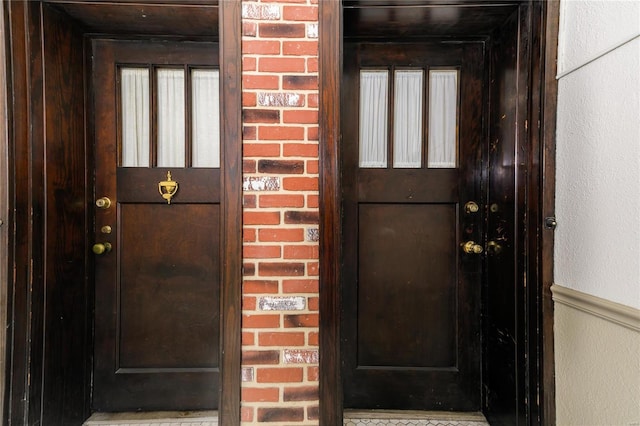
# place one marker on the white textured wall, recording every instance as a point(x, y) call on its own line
point(597, 242)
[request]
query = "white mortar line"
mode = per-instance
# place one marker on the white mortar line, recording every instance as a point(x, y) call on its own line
point(598, 56)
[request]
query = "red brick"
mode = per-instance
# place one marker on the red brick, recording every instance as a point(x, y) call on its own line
point(314, 338)
point(281, 133)
point(300, 183)
point(312, 134)
point(249, 201)
point(300, 116)
point(281, 166)
point(261, 47)
point(302, 217)
point(248, 235)
point(279, 375)
point(248, 166)
point(249, 133)
point(304, 320)
point(313, 166)
point(281, 200)
point(261, 218)
point(282, 30)
point(265, 82)
point(260, 116)
point(248, 338)
point(314, 303)
point(249, 63)
point(300, 48)
point(261, 149)
point(312, 201)
point(248, 269)
point(300, 13)
point(300, 252)
point(312, 65)
point(260, 321)
point(300, 393)
point(281, 235)
point(249, 29)
point(281, 65)
point(260, 394)
point(281, 338)
point(249, 99)
point(260, 357)
point(260, 287)
point(248, 303)
point(261, 252)
point(313, 269)
point(312, 100)
point(300, 150)
point(313, 413)
point(299, 82)
point(313, 374)
point(280, 414)
point(289, 269)
point(301, 286)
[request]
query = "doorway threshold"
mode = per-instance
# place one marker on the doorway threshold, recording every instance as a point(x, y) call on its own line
point(155, 418)
point(412, 418)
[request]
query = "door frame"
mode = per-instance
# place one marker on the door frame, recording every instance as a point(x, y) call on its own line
point(32, 379)
point(540, 204)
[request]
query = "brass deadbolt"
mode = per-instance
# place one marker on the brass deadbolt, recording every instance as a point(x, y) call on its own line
point(470, 247)
point(103, 203)
point(471, 207)
point(101, 248)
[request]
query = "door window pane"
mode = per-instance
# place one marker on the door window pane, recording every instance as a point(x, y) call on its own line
point(206, 118)
point(373, 118)
point(171, 118)
point(134, 92)
point(407, 124)
point(443, 119)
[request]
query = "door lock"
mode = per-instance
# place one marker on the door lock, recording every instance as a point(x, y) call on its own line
point(101, 248)
point(471, 207)
point(103, 203)
point(470, 247)
point(494, 247)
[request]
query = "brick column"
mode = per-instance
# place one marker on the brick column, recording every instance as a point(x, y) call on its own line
point(280, 148)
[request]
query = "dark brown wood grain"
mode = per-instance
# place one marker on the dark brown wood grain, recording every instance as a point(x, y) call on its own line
point(231, 135)
point(378, 20)
point(157, 311)
point(330, 63)
point(411, 303)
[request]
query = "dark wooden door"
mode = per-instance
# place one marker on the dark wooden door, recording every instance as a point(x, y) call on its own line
point(157, 334)
point(410, 292)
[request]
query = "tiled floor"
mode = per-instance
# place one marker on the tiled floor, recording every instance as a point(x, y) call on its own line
point(351, 418)
point(412, 418)
point(174, 418)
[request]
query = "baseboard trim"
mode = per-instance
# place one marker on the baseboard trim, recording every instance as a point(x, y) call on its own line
point(616, 313)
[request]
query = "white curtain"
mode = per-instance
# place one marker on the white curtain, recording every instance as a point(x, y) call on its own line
point(171, 120)
point(134, 85)
point(443, 118)
point(206, 118)
point(373, 118)
point(407, 127)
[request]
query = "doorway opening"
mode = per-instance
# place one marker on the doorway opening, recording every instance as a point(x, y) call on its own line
point(80, 318)
point(432, 289)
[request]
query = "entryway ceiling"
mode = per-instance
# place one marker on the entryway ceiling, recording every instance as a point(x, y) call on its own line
point(192, 18)
point(420, 18)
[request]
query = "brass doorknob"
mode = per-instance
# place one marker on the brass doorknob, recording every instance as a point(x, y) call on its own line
point(101, 248)
point(471, 207)
point(470, 247)
point(103, 203)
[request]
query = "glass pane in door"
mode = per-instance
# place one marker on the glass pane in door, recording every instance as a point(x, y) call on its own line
point(171, 118)
point(205, 100)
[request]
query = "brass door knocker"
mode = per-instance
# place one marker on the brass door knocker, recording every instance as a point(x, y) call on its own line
point(168, 188)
